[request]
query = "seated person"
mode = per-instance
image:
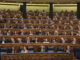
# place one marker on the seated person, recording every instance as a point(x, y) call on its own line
point(56, 32)
point(24, 50)
point(22, 32)
point(12, 40)
point(69, 49)
point(61, 18)
point(54, 41)
point(78, 27)
point(78, 33)
point(47, 33)
point(55, 18)
point(43, 13)
point(75, 17)
point(71, 22)
point(13, 50)
point(19, 40)
point(27, 39)
point(31, 33)
point(3, 40)
point(36, 40)
point(63, 40)
point(46, 41)
point(1, 33)
point(39, 32)
point(71, 27)
point(25, 27)
point(74, 41)
point(53, 27)
point(5, 32)
point(15, 33)
point(28, 17)
point(5, 27)
point(32, 27)
point(40, 22)
point(79, 22)
point(42, 48)
point(8, 32)
point(47, 18)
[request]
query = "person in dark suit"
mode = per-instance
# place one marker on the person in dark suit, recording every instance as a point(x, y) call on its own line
point(60, 49)
point(22, 32)
point(1, 33)
point(69, 49)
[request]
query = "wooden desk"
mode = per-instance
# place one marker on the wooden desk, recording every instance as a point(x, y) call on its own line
point(39, 44)
point(38, 56)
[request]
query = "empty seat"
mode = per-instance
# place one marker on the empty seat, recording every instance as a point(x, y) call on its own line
point(30, 49)
point(60, 50)
point(51, 49)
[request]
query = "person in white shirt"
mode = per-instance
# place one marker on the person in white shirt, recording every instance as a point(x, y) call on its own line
point(63, 40)
point(46, 41)
point(74, 41)
point(24, 50)
point(12, 40)
point(3, 41)
point(42, 48)
point(31, 33)
point(28, 39)
point(19, 40)
point(55, 32)
point(78, 33)
point(36, 40)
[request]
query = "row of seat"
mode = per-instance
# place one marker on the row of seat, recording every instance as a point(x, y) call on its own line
point(36, 26)
point(33, 21)
point(38, 39)
point(41, 32)
point(39, 47)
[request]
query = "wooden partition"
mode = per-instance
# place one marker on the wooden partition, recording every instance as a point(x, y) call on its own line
point(39, 56)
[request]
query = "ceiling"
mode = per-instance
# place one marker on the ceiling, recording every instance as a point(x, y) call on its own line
point(42, 1)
